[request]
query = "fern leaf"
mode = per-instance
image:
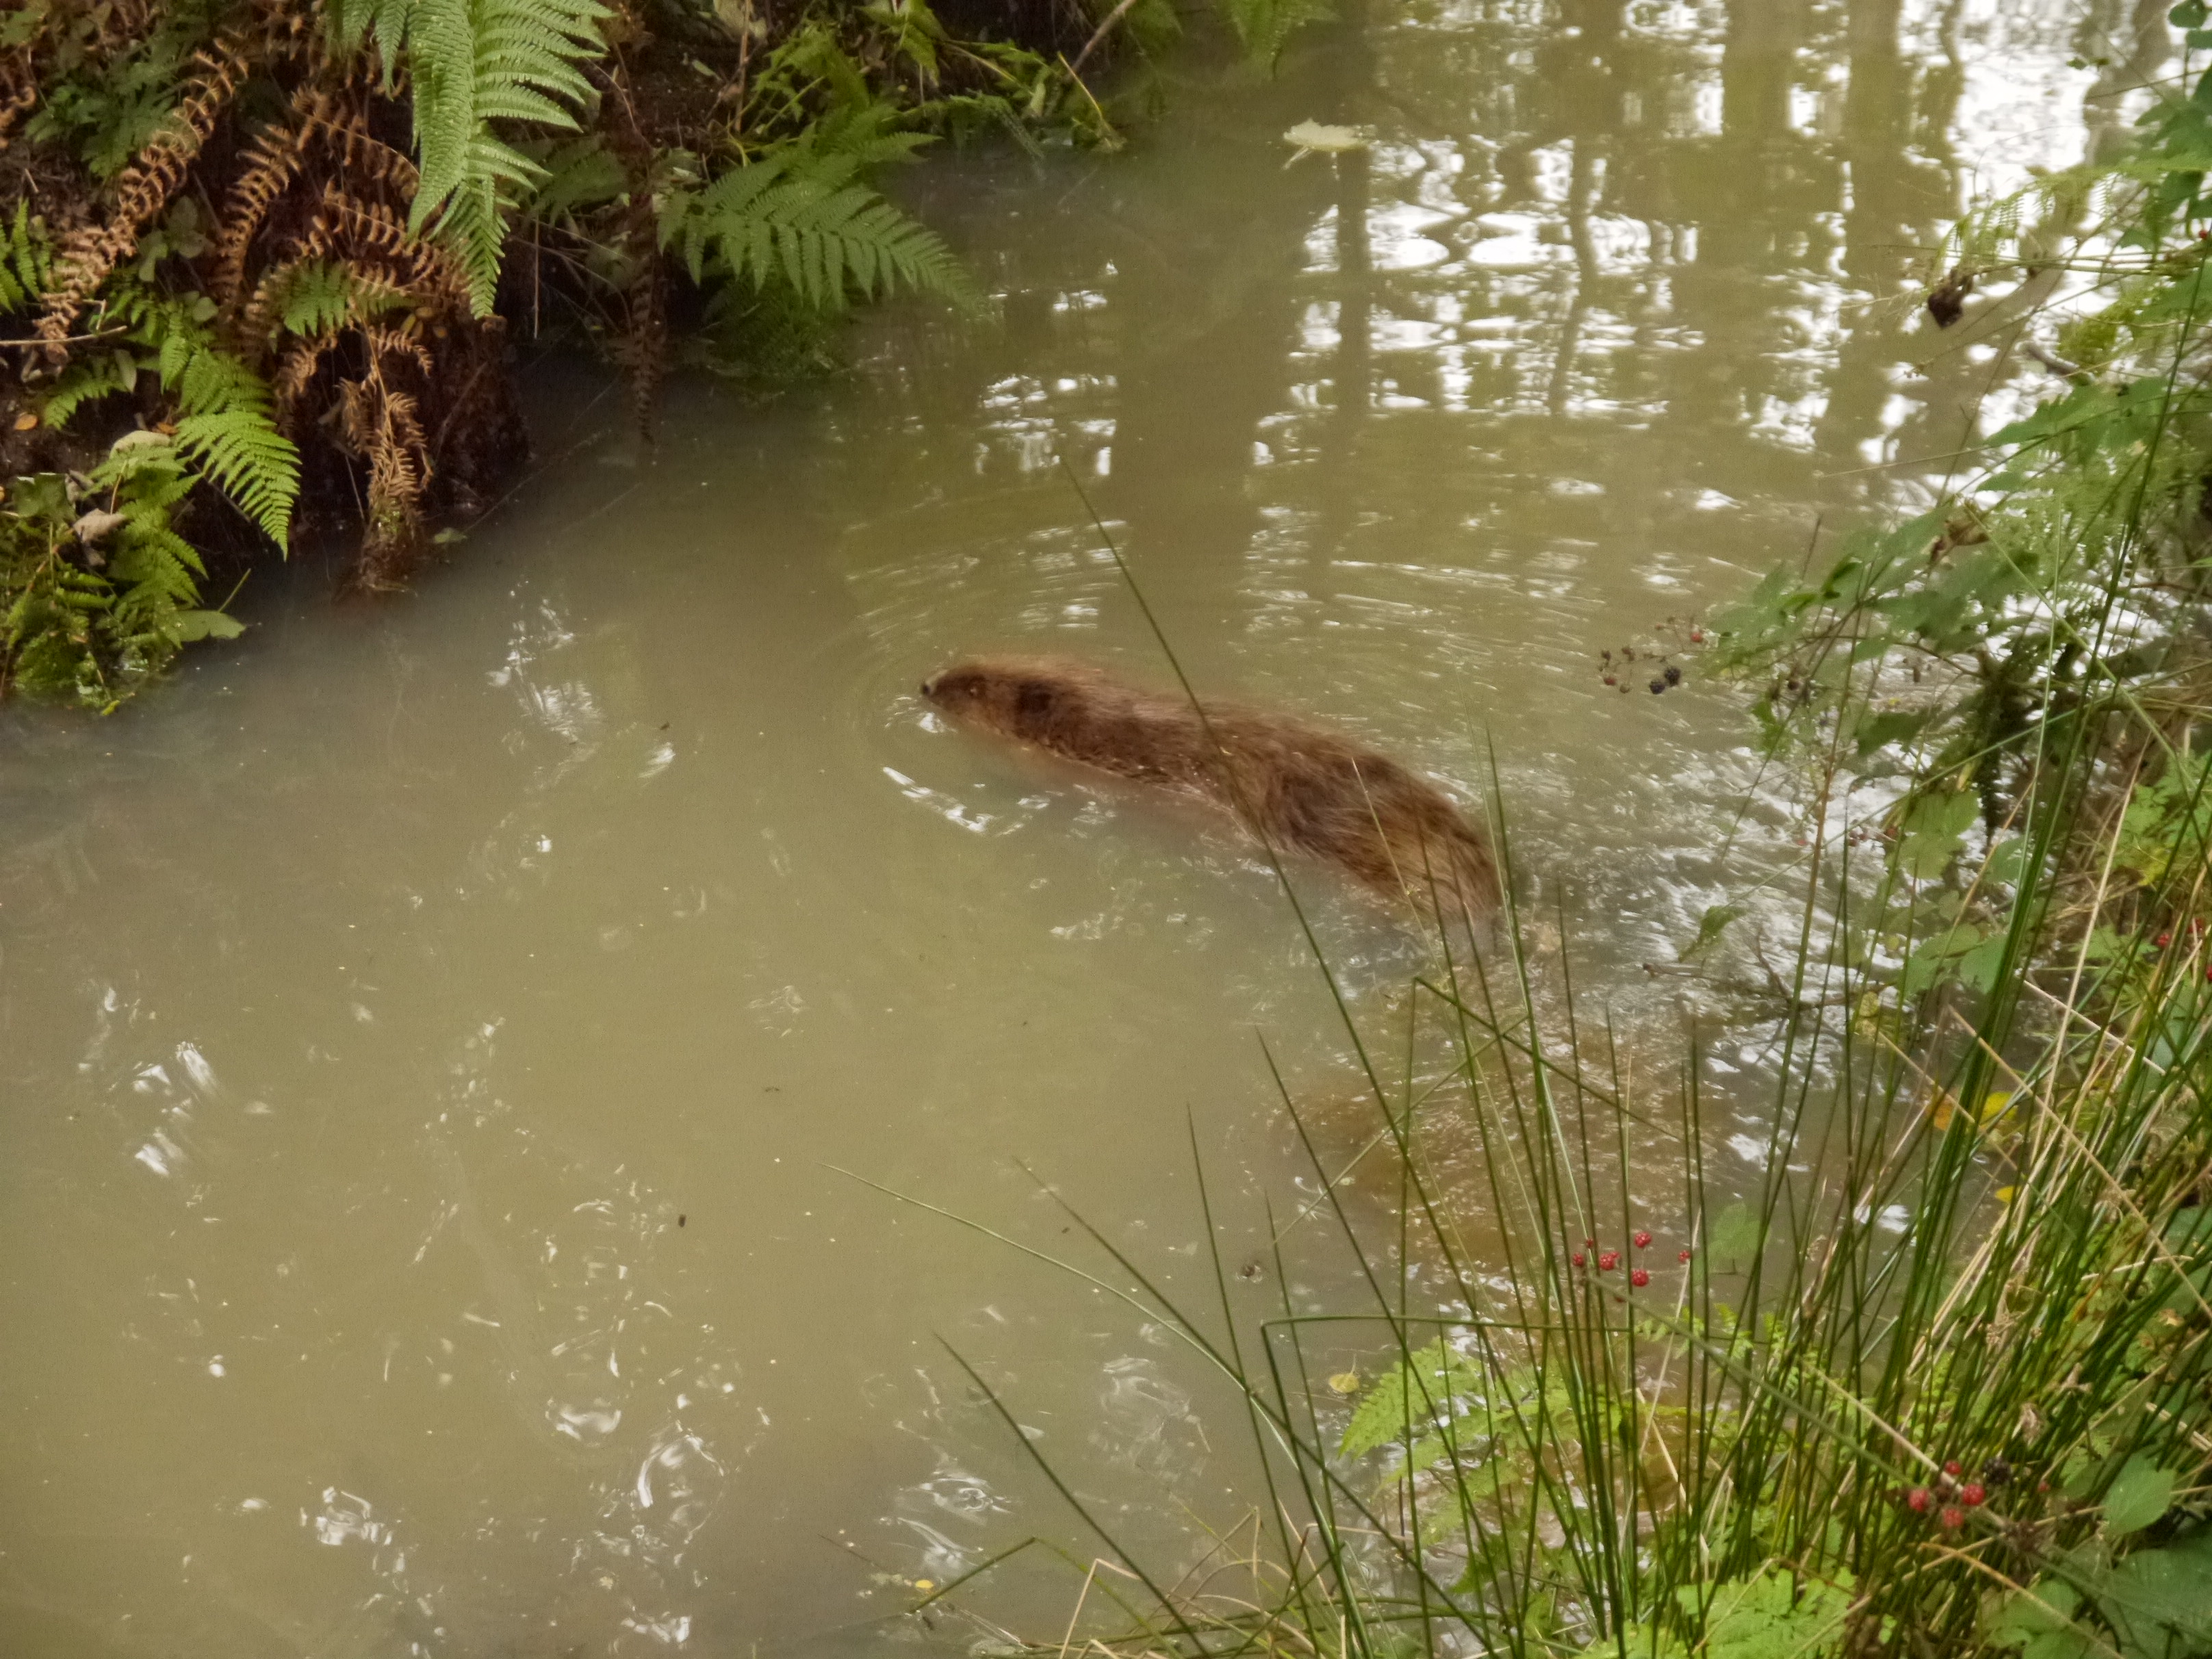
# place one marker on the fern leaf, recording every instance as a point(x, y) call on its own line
point(228, 429)
point(800, 215)
point(1264, 28)
point(26, 260)
point(86, 380)
point(318, 298)
point(255, 465)
point(159, 573)
point(473, 62)
point(315, 299)
point(580, 173)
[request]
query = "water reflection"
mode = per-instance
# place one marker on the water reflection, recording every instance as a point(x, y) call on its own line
point(429, 1039)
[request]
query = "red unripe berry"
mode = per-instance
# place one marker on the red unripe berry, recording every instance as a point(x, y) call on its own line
point(1608, 1261)
point(1951, 1467)
point(2165, 939)
point(1643, 1241)
point(1685, 1256)
point(1952, 1518)
point(1696, 636)
point(1580, 1258)
point(1971, 1493)
point(1639, 1278)
point(1917, 1500)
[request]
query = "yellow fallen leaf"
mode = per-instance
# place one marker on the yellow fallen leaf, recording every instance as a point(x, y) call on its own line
point(2006, 1194)
point(1344, 1382)
point(925, 1583)
point(1943, 1109)
point(26, 421)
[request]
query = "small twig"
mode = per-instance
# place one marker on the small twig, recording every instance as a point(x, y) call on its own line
point(66, 339)
point(1098, 34)
point(2051, 360)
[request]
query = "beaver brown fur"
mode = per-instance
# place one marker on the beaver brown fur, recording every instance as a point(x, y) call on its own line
point(1292, 785)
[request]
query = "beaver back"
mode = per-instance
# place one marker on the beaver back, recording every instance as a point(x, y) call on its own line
point(1293, 785)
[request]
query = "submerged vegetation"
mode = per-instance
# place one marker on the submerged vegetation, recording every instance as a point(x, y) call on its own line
point(1942, 1382)
point(263, 262)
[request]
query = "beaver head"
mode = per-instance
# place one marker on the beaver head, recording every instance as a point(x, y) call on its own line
point(1007, 696)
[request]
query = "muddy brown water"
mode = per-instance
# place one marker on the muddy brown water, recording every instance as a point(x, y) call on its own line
point(434, 1038)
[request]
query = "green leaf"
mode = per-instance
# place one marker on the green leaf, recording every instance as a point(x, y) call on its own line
point(1878, 731)
point(2140, 1493)
point(1737, 1235)
point(1934, 825)
point(183, 627)
point(1711, 927)
point(2161, 1600)
point(2039, 1621)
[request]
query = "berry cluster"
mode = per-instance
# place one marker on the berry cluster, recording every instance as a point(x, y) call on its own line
point(1609, 1260)
point(1959, 1494)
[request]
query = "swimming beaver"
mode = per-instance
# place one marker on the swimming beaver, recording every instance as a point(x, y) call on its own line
point(1292, 785)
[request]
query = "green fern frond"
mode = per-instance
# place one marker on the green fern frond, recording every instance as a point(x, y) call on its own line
point(87, 379)
point(229, 430)
point(1264, 28)
point(255, 465)
point(159, 573)
point(579, 174)
point(472, 63)
point(800, 214)
point(320, 296)
point(352, 22)
point(26, 260)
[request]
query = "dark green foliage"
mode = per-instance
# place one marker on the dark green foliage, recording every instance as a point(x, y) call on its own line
point(26, 261)
point(1265, 27)
point(109, 94)
point(797, 216)
point(97, 590)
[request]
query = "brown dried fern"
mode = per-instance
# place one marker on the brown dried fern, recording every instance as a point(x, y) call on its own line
point(382, 424)
point(273, 160)
point(143, 191)
point(376, 234)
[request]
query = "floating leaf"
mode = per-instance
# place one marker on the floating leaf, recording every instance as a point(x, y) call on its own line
point(1313, 136)
point(1711, 927)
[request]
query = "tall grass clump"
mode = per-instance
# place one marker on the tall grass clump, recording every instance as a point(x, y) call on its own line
point(1935, 1378)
